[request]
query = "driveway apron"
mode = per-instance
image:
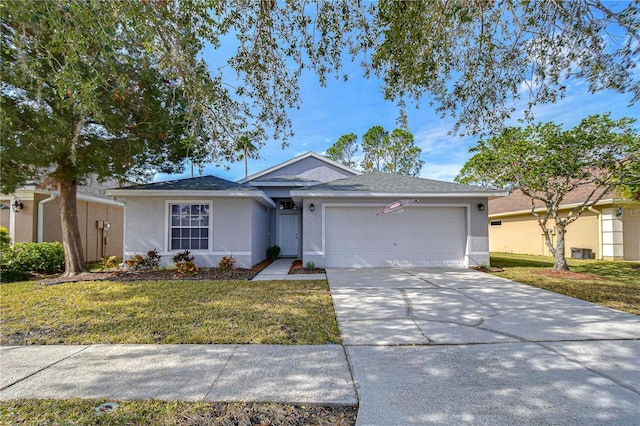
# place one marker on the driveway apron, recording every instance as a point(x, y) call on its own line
point(449, 346)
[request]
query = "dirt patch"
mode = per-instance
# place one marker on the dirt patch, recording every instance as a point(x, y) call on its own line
point(565, 275)
point(298, 268)
point(636, 267)
point(156, 274)
point(488, 269)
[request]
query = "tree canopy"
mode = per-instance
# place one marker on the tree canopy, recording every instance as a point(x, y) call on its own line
point(344, 149)
point(120, 89)
point(546, 162)
point(473, 58)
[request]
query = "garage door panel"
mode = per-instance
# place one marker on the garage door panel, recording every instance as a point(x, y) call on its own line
point(419, 236)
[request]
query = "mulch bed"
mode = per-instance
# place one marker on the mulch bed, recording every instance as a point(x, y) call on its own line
point(159, 274)
point(565, 275)
point(298, 268)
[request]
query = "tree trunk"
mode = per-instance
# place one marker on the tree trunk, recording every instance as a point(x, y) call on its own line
point(560, 260)
point(73, 255)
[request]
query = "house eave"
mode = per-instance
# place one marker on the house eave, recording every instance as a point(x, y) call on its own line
point(176, 193)
point(359, 194)
point(281, 184)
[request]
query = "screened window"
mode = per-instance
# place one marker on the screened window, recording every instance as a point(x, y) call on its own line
point(189, 227)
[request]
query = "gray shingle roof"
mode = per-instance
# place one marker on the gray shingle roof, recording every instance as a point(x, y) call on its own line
point(286, 179)
point(378, 182)
point(201, 183)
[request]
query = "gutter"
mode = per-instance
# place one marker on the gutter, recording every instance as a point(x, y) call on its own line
point(52, 197)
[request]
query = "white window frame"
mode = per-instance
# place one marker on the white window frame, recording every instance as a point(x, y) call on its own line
point(168, 226)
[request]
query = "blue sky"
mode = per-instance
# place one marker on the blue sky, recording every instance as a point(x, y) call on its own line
point(354, 106)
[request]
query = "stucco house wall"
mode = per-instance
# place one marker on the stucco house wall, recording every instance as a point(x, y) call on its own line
point(521, 234)
point(231, 222)
point(631, 234)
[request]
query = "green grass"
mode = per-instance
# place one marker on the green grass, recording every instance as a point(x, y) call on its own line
point(165, 312)
point(616, 284)
point(153, 412)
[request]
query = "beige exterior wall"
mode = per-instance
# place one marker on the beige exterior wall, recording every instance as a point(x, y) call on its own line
point(631, 233)
point(95, 242)
point(522, 234)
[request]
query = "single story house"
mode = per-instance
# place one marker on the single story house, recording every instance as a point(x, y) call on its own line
point(610, 229)
point(315, 209)
point(32, 214)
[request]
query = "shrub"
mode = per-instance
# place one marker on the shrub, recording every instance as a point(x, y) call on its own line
point(273, 252)
point(310, 266)
point(109, 262)
point(227, 264)
point(185, 263)
point(5, 240)
point(18, 261)
point(150, 261)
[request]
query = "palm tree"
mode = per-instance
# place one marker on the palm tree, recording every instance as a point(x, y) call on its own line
point(249, 150)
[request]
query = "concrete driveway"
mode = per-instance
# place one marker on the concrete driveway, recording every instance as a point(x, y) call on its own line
point(444, 346)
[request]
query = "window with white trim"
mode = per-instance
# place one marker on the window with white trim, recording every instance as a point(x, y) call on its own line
point(189, 227)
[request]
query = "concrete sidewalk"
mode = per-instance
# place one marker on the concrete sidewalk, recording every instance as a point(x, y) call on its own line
point(316, 375)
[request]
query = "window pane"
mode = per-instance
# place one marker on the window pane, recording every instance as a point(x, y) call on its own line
point(195, 244)
point(175, 209)
point(184, 209)
point(175, 220)
point(195, 209)
point(175, 233)
point(175, 244)
point(204, 244)
point(204, 209)
point(184, 221)
point(189, 226)
point(204, 232)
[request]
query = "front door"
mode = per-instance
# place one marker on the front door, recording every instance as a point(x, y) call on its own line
point(288, 234)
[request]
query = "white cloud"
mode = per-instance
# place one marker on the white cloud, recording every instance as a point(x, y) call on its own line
point(443, 171)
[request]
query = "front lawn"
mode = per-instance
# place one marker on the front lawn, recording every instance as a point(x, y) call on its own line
point(233, 312)
point(153, 412)
point(612, 284)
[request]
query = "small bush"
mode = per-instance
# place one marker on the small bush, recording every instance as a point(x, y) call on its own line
point(185, 263)
point(310, 266)
point(273, 252)
point(5, 240)
point(150, 261)
point(18, 261)
point(44, 258)
point(109, 262)
point(227, 264)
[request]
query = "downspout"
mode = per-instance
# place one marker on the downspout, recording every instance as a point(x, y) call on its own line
point(599, 216)
point(52, 197)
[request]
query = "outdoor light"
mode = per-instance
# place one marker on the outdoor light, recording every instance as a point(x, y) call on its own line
point(17, 205)
point(620, 212)
point(480, 207)
point(281, 206)
point(311, 207)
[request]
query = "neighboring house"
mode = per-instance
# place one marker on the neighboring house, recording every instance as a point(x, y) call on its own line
point(315, 209)
point(100, 218)
point(610, 228)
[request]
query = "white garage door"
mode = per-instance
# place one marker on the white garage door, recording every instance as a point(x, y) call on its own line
point(418, 236)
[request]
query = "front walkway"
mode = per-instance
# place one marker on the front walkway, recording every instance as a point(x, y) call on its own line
point(279, 270)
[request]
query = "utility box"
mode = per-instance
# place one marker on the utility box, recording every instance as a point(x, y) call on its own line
point(581, 253)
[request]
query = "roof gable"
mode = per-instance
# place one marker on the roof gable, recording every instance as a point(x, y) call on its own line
point(307, 167)
point(375, 183)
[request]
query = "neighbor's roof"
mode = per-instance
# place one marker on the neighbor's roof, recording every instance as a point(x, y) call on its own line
point(517, 202)
point(381, 184)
